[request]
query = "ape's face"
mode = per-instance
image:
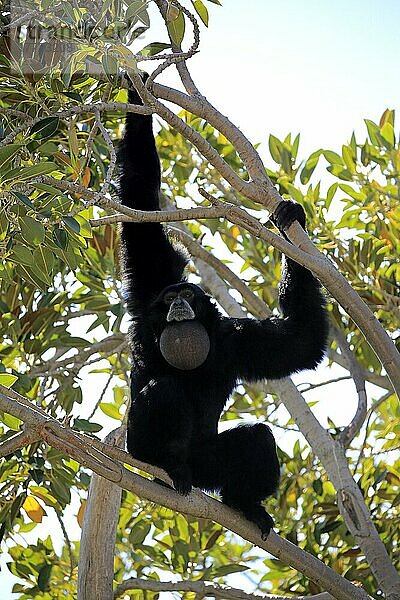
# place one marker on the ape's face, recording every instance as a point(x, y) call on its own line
point(181, 302)
point(179, 313)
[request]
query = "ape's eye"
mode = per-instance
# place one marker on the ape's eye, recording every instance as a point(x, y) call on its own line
point(187, 294)
point(169, 297)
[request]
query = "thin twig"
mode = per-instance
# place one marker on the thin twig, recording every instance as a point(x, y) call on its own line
point(179, 56)
point(113, 155)
point(203, 589)
point(67, 542)
point(109, 379)
point(76, 110)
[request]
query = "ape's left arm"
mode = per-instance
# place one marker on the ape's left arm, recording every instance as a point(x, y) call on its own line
point(276, 347)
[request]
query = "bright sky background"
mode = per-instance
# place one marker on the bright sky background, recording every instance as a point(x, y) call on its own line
point(311, 66)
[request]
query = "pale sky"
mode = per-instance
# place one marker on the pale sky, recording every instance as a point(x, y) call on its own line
point(311, 66)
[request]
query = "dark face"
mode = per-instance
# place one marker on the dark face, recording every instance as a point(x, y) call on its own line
point(181, 302)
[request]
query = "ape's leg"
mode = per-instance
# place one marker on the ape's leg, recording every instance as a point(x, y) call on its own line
point(242, 464)
point(252, 471)
point(159, 429)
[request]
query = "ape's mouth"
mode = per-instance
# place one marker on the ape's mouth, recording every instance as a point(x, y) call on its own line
point(179, 317)
point(180, 310)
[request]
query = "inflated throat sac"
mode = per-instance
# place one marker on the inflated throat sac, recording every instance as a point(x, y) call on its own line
point(185, 345)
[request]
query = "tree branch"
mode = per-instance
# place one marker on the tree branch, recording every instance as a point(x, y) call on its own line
point(350, 498)
point(74, 110)
point(203, 588)
point(21, 439)
point(350, 432)
point(100, 522)
point(107, 346)
point(196, 504)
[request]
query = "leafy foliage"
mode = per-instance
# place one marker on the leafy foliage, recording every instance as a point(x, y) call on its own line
point(62, 326)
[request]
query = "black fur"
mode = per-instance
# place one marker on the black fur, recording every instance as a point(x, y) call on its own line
point(174, 414)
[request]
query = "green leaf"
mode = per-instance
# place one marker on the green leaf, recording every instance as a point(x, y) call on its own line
point(60, 237)
point(388, 135)
point(31, 230)
point(85, 425)
point(295, 193)
point(330, 194)
point(201, 11)
point(295, 146)
point(133, 9)
point(110, 66)
point(176, 28)
point(44, 259)
point(110, 410)
point(29, 275)
point(137, 10)
point(7, 379)
point(348, 158)
point(44, 128)
point(309, 166)
point(373, 132)
point(332, 157)
point(24, 199)
point(338, 171)
point(21, 255)
point(138, 532)
point(44, 577)
point(10, 421)
point(275, 148)
point(387, 117)
point(72, 224)
point(154, 48)
point(24, 173)
point(85, 229)
point(317, 486)
point(7, 153)
point(227, 569)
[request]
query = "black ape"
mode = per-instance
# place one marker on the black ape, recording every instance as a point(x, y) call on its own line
point(174, 414)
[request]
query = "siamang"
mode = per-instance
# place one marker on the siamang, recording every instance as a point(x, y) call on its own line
point(176, 405)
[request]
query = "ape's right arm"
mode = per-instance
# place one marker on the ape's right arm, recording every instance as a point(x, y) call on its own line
point(149, 262)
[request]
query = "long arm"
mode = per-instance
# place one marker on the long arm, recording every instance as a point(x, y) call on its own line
point(149, 261)
point(276, 347)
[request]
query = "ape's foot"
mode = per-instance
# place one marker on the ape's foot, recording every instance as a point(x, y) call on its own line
point(286, 213)
point(255, 513)
point(261, 518)
point(266, 525)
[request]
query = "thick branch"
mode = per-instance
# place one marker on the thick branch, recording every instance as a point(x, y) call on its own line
point(100, 522)
point(193, 136)
point(19, 440)
point(201, 107)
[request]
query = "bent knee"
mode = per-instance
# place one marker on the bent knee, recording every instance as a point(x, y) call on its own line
point(260, 431)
